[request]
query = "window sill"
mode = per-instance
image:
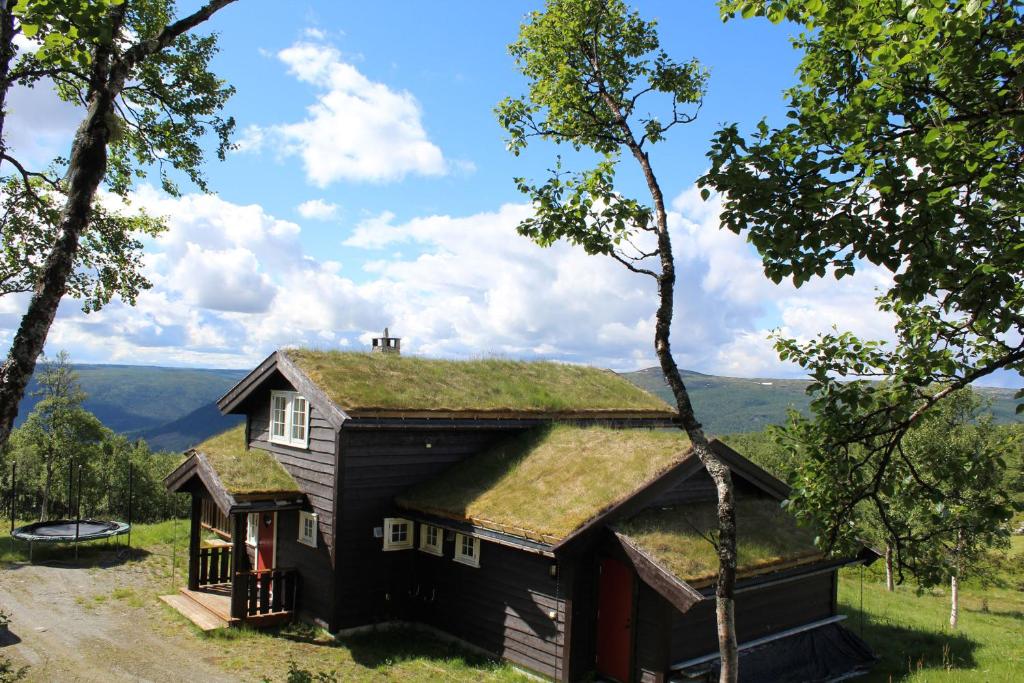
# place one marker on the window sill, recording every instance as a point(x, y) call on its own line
point(469, 562)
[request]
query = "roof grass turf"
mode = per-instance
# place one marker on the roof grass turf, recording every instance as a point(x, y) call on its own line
point(381, 382)
point(548, 482)
point(677, 538)
point(245, 471)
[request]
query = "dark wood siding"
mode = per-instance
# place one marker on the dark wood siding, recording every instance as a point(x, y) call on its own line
point(505, 606)
point(377, 465)
point(314, 468)
point(316, 588)
point(699, 488)
point(652, 635)
point(759, 613)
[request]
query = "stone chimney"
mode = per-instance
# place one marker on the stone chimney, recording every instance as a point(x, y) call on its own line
point(387, 344)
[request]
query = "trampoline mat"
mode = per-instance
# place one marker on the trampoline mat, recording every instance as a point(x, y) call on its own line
point(60, 530)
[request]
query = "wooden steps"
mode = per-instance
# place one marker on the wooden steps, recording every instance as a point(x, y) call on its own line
point(199, 615)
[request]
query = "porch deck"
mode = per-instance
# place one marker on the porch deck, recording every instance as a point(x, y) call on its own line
point(209, 607)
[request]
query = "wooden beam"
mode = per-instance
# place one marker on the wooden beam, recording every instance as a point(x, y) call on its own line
point(240, 566)
point(195, 533)
point(681, 595)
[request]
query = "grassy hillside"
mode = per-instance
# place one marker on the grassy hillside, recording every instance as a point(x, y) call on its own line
point(727, 405)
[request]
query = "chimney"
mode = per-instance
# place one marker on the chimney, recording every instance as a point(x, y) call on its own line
point(387, 344)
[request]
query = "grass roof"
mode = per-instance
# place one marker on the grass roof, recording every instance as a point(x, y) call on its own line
point(545, 484)
point(382, 382)
point(677, 538)
point(245, 471)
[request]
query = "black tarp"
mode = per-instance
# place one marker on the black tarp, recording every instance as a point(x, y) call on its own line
point(826, 653)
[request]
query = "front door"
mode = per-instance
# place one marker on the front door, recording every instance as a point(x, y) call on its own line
point(615, 620)
point(265, 540)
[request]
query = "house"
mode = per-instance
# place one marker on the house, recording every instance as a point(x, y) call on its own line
point(550, 514)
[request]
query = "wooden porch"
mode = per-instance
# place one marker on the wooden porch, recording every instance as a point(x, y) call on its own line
point(223, 590)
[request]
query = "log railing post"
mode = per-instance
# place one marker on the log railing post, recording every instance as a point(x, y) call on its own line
point(240, 567)
point(193, 541)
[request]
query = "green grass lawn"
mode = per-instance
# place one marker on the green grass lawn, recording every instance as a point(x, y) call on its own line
point(911, 632)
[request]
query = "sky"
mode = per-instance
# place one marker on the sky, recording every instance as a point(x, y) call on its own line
point(371, 187)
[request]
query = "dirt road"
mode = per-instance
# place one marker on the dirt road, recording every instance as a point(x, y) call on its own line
point(99, 623)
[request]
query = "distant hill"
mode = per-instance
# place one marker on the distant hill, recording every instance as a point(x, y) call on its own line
point(726, 405)
point(141, 400)
point(174, 408)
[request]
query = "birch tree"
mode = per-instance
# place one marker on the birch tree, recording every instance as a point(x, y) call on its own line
point(902, 149)
point(148, 97)
point(591, 65)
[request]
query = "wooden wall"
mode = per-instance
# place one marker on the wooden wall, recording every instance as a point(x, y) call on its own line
point(313, 469)
point(504, 606)
point(316, 588)
point(759, 613)
point(377, 465)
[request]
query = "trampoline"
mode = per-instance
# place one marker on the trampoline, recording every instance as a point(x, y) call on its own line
point(65, 530)
point(74, 530)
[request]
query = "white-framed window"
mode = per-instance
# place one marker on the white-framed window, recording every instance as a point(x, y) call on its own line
point(252, 528)
point(397, 533)
point(431, 538)
point(307, 528)
point(467, 550)
point(289, 419)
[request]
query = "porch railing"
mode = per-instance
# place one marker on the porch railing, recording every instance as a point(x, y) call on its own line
point(214, 565)
point(270, 591)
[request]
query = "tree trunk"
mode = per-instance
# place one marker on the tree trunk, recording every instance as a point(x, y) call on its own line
point(954, 592)
point(44, 509)
point(87, 166)
point(890, 584)
point(718, 470)
point(6, 56)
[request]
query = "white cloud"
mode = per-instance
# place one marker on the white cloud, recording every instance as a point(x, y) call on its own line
point(357, 129)
point(231, 283)
point(318, 209)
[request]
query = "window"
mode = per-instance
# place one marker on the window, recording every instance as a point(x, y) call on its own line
point(307, 528)
point(397, 533)
point(252, 528)
point(467, 550)
point(430, 539)
point(289, 419)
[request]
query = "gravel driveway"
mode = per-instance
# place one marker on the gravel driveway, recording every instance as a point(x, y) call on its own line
point(74, 623)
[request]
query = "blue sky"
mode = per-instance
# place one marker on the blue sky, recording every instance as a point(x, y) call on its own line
point(372, 188)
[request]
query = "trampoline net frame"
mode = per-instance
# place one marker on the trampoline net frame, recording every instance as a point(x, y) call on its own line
point(63, 530)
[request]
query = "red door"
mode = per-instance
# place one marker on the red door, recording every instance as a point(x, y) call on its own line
point(615, 620)
point(265, 536)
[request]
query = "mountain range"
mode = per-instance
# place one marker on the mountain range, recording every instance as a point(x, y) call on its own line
point(175, 408)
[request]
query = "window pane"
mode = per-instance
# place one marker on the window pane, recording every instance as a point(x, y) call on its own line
point(278, 415)
point(299, 419)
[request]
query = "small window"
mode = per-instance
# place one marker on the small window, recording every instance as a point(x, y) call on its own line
point(397, 533)
point(289, 419)
point(252, 527)
point(430, 539)
point(307, 528)
point(467, 550)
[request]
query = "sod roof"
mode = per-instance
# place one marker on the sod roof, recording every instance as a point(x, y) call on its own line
point(548, 482)
point(245, 471)
point(378, 382)
point(677, 538)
